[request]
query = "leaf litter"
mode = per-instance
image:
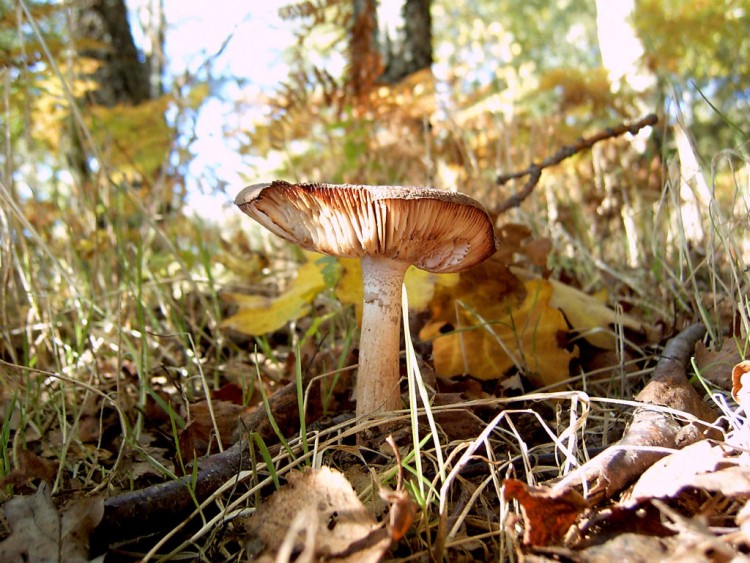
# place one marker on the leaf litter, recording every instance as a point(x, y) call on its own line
point(39, 531)
point(539, 449)
point(315, 516)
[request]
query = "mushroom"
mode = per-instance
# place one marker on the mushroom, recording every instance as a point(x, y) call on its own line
point(389, 228)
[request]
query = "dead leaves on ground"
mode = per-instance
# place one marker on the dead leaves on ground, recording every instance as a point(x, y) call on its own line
point(41, 532)
point(484, 322)
point(548, 514)
point(318, 516)
point(680, 501)
point(643, 501)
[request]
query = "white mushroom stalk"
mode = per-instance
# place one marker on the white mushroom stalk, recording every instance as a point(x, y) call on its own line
point(379, 366)
point(389, 228)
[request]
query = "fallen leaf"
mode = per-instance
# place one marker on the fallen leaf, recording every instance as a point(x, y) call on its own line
point(40, 533)
point(547, 514)
point(668, 476)
point(524, 333)
point(30, 466)
point(590, 316)
point(318, 515)
point(198, 436)
point(510, 239)
point(716, 364)
point(258, 314)
point(733, 481)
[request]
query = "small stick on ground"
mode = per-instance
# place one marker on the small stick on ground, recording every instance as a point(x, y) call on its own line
point(534, 171)
point(619, 465)
point(159, 507)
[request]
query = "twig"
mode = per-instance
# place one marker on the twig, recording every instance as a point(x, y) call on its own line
point(156, 508)
point(534, 171)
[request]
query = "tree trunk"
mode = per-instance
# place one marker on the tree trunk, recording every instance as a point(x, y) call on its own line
point(389, 40)
point(122, 77)
point(407, 42)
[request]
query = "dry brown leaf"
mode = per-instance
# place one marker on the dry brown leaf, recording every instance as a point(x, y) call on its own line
point(30, 466)
point(199, 435)
point(318, 515)
point(716, 364)
point(40, 533)
point(628, 547)
point(510, 240)
point(547, 514)
point(671, 474)
point(741, 382)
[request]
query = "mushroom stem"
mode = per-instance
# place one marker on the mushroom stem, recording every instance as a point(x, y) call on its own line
point(378, 375)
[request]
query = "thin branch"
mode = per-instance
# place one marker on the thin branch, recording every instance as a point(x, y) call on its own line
point(534, 171)
point(152, 509)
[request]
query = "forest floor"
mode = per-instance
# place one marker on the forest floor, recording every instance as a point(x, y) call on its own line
point(556, 406)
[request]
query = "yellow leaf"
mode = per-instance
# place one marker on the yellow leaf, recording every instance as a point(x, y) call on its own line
point(587, 314)
point(258, 314)
point(496, 336)
point(590, 316)
point(420, 285)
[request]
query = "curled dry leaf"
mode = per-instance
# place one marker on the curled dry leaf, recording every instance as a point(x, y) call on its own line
point(339, 527)
point(403, 509)
point(547, 514)
point(741, 381)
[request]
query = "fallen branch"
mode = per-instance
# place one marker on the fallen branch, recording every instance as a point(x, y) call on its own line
point(534, 171)
point(653, 432)
point(159, 507)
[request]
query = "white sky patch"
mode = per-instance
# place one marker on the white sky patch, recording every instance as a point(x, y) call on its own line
point(240, 40)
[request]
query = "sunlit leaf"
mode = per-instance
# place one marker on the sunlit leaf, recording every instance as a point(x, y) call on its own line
point(590, 315)
point(258, 314)
point(490, 339)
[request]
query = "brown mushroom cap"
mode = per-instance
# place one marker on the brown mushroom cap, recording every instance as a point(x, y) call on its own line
point(436, 230)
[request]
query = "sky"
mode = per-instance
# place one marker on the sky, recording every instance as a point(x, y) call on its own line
point(243, 40)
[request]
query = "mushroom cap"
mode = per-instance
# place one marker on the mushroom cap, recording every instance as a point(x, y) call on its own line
point(436, 230)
